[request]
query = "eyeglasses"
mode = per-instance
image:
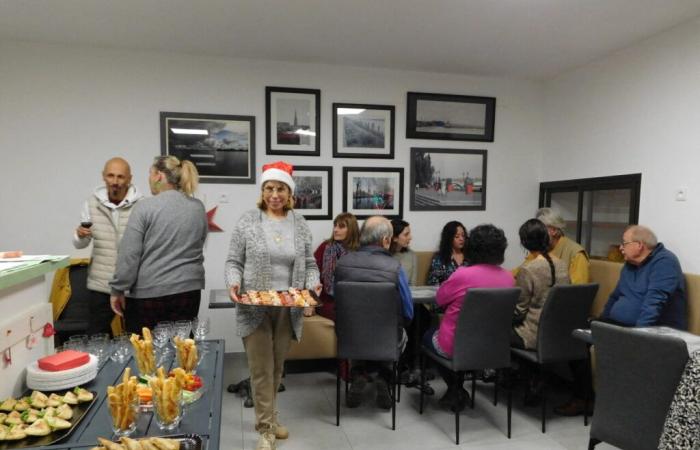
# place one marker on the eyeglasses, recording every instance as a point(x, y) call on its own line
point(271, 189)
point(627, 242)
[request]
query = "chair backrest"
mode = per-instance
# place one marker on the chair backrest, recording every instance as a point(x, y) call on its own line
point(367, 320)
point(637, 375)
point(482, 336)
point(567, 308)
point(78, 306)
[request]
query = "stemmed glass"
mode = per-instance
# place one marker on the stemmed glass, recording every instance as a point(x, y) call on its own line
point(200, 329)
point(183, 329)
point(162, 334)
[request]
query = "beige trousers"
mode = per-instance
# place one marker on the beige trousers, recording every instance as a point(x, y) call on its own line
point(266, 349)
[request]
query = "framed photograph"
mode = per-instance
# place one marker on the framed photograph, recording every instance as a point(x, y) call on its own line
point(293, 121)
point(363, 131)
point(450, 117)
point(313, 196)
point(373, 191)
point(448, 179)
point(222, 147)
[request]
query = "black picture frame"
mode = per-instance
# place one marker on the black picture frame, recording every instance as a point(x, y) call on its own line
point(448, 179)
point(293, 121)
point(313, 195)
point(367, 193)
point(363, 131)
point(222, 147)
point(450, 117)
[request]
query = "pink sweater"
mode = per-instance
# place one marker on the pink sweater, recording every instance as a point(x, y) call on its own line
point(451, 295)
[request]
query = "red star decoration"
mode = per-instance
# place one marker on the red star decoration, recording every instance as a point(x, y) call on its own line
point(210, 220)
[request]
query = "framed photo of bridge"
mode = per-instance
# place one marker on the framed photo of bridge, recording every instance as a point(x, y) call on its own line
point(450, 117)
point(222, 147)
point(313, 196)
point(363, 131)
point(448, 179)
point(373, 191)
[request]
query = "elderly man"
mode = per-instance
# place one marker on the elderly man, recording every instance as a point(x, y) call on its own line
point(373, 263)
point(562, 247)
point(103, 222)
point(651, 289)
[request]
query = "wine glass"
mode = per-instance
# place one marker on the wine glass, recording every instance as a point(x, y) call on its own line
point(201, 327)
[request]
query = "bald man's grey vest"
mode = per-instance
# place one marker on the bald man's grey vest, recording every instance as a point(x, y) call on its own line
point(371, 264)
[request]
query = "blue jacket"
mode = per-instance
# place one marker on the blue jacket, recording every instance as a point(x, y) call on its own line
point(652, 293)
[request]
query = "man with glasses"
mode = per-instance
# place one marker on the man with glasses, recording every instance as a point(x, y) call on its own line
point(651, 289)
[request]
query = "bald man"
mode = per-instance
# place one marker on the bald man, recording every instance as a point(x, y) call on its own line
point(103, 221)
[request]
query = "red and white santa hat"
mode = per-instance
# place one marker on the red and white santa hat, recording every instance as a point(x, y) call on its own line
point(278, 171)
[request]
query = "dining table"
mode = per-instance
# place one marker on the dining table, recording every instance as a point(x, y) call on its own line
point(201, 418)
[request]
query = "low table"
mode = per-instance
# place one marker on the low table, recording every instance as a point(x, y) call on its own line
point(202, 417)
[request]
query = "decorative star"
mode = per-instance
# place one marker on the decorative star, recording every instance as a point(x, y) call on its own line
point(210, 220)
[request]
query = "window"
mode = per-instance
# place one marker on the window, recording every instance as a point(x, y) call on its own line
point(596, 210)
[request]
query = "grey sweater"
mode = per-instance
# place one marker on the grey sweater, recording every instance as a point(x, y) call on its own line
point(248, 265)
point(161, 250)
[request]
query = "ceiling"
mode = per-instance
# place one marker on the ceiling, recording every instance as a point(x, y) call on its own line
point(531, 39)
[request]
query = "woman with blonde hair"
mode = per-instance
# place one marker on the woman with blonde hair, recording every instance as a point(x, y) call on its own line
point(160, 272)
point(270, 250)
point(345, 238)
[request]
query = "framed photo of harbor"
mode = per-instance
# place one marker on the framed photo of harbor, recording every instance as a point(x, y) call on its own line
point(373, 191)
point(448, 179)
point(313, 195)
point(363, 131)
point(450, 117)
point(222, 147)
point(293, 121)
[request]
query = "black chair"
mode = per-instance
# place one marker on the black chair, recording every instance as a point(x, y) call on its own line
point(367, 327)
point(637, 375)
point(482, 340)
point(76, 314)
point(567, 308)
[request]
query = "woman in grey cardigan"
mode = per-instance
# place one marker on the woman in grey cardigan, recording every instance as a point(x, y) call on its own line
point(270, 250)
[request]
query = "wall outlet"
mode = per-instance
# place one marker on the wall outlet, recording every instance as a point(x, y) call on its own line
point(223, 198)
point(681, 194)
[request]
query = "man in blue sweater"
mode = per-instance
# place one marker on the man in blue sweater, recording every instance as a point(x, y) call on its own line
point(651, 289)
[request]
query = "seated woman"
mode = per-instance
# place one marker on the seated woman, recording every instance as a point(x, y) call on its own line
point(450, 254)
point(535, 278)
point(484, 252)
point(345, 238)
point(399, 249)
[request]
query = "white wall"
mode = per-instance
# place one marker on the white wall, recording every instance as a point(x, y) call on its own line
point(637, 111)
point(65, 110)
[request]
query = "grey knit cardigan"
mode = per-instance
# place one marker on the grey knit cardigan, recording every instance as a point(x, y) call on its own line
point(248, 265)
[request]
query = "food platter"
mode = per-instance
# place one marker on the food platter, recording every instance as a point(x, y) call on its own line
point(79, 411)
point(291, 298)
point(185, 441)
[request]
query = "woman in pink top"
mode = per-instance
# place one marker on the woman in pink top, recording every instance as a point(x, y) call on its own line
point(484, 253)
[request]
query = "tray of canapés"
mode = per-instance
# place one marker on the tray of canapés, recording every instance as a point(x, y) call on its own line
point(291, 298)
point(42, 418)
point(174, 442)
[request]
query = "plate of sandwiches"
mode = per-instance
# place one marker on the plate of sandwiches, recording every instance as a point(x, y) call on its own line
point(175, 442)
point(42, 418)
point(291, 298)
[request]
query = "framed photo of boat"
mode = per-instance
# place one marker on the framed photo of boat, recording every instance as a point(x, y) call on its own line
point(450, 117)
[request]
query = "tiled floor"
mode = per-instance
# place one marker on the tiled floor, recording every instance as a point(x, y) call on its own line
point(307, 408)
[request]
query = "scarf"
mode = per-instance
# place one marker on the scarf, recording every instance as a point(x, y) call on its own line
point(332, 252)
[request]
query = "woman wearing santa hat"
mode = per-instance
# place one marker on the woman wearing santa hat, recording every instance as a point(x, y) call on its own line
point(270, 250)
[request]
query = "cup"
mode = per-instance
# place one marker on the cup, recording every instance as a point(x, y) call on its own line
point(167, 411)
point(124, 422)
point(120, 349)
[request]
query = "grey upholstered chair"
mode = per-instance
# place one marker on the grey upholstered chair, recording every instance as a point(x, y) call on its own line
point(637, 375)
point(367, 326)
point(482, 339)
point(567, 308)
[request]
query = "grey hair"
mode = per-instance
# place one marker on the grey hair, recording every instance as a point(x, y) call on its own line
point(550, 218)
point(374, 230)
point(640, 233)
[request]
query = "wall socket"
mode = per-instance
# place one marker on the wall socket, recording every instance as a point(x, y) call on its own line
point(223, 198)
point(681, 194)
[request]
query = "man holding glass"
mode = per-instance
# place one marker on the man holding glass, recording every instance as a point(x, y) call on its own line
point(103, 221)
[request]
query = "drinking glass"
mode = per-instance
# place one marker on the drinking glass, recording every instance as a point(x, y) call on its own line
point(98, 345)
point(201, 327)
point(77, 342)
point(161, 336)
point(124, 427)
point(167, 411)
point(120, 349)
point(183, 328)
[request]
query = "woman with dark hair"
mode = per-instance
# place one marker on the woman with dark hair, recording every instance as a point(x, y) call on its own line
point(485, 253)
point(345, 238)
point(450, 255)
point(535, 278)
point(399, 248)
